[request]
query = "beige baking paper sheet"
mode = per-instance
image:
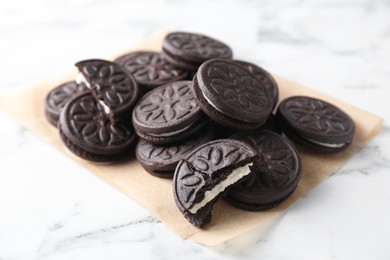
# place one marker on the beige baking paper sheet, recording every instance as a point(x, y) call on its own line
point(155, 194)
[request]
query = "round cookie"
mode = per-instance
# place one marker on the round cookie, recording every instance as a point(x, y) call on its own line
point(315, 124)
point(57, 98)
point(161, 160)
point(114, 88)
point(150, 70)
point(231, 95)
point(206, 172)
point(88, 133)
point(189, 50)
point(276, 176)
point(265, 78)
point(168, 114)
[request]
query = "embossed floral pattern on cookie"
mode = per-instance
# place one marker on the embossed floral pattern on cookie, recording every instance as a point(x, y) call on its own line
point(149, 69)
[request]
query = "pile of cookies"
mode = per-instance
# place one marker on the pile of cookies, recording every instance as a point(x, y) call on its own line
point(194, 114)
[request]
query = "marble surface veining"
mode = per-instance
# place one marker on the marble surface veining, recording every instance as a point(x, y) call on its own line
point(52, 208)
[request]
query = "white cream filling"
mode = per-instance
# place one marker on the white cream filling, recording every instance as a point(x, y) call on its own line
point(81, 79)
point(326, 144)
point(233, 177)
point(211, 104)
point(171, 133)
point(107, 110)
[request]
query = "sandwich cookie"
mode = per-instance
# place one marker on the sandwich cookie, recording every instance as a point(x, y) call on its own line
point(87, 132)
point(57, 98)
point(161, 160)
point(276, 176)
point(315, 124)
point(231, 95)
point(114, 88)
point(206, 173)
point(189, 50)
point(168, 114)
point(150, 70)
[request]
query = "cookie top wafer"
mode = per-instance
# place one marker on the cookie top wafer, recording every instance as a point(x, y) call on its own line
point(149, 69)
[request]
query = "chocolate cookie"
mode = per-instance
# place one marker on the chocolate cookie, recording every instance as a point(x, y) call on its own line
point(265, 78)
point(189, 50)
point(88, 133)
point(231, 95)
point(114, 88)
point(150, 70)
point(276, 176)
point(168, 114)
point(206, 172)
point(315, 123)
point(57, 98)
point(161, 160)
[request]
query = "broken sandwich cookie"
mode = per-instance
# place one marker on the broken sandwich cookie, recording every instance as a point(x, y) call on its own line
point(114, 88)
point(87, 132)
point(208, 171)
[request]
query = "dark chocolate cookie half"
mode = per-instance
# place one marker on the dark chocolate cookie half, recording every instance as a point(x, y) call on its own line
point(231, 95)
point(150, 70)
point(161, 160)
point(57, 98)
point(265, 78)
point(206, 172)
point(168, 114)
point(189, 50)
point(276, 176)
point(315, 124)
point(88, 133)
point(114, 88)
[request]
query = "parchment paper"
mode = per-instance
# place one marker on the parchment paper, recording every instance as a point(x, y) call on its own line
point(155, 194)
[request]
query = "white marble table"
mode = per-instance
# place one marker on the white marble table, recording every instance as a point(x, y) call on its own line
point(53, 209)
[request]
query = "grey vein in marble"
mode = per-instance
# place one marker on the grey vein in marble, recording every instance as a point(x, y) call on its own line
point(339, 47)
point(86, 239)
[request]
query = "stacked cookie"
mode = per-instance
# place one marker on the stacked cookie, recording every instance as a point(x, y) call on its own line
point(202, 118)
point(91, 113)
